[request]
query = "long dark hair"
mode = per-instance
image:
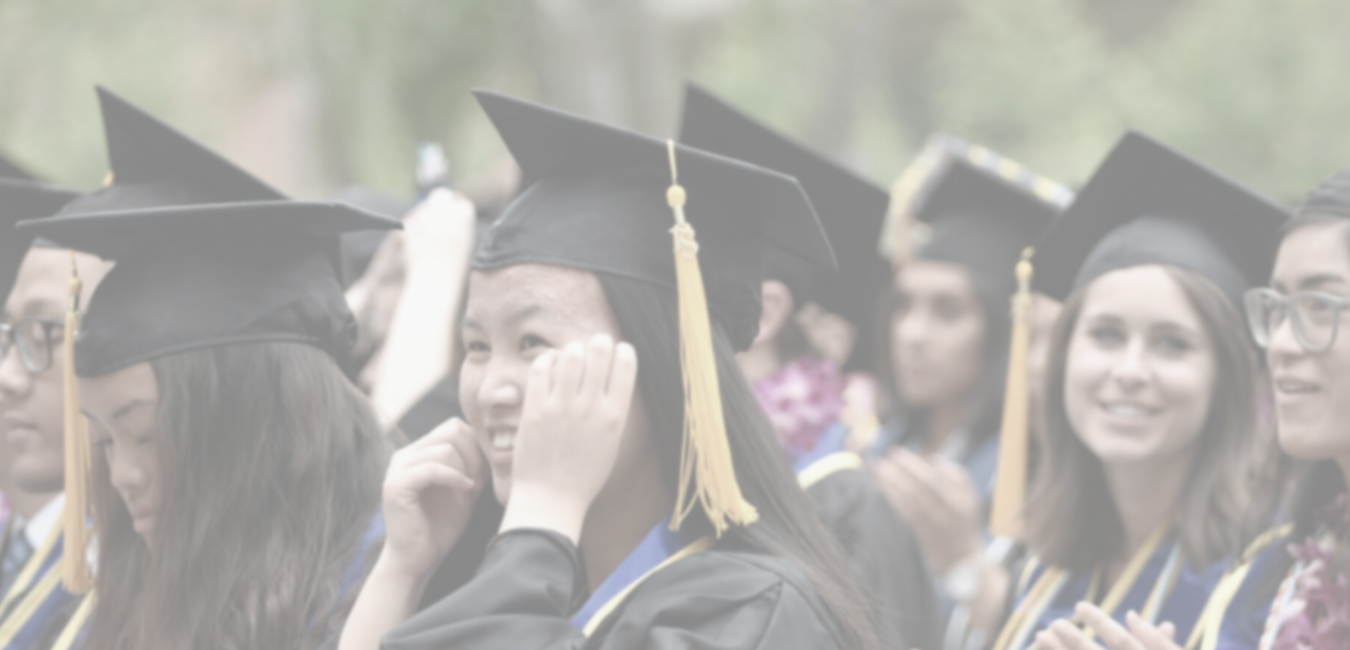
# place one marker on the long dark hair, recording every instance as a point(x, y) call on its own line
point(1075, 524)
point(789, 526)
point(270, 464)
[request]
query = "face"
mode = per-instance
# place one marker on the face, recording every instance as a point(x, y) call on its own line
point(1312, 391)
point(31, 404)
point(122, 408)
point(1139, 374)
point(937, 334)
point(512, 316)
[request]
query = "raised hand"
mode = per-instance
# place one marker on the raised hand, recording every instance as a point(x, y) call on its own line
point(429, 493)
point(576, 407)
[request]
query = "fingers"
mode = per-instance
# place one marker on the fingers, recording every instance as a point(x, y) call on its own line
point(1161, 637)
point(567, 370)
point(1063, 635)
point(1113, 634)
point(623, 374)
point(422, 476)
point(540, 383)
point(599, 361)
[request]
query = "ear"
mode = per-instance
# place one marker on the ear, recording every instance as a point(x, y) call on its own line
point(777, 308)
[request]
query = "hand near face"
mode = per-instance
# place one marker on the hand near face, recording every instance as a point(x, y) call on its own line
point(429, 493)
point(938, 499)
point(1140, 635)
point(576, 407)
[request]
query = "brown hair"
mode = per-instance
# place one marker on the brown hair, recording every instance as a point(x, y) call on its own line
point(1074, 523)
point(270, 469)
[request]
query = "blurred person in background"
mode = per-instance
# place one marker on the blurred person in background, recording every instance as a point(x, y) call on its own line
point(944, 343)
point(1140, 503)
point(233, 471)
point(34, 286)
point(802, 386)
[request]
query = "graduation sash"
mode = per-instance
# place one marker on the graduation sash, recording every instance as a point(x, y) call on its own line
point(828, 456)
point(1046, 588)
point(36, 597)
point(661, 548)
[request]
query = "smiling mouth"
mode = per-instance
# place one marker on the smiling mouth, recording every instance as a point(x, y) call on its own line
point(503, 441)
point(1294, 387)
point(1127, 410)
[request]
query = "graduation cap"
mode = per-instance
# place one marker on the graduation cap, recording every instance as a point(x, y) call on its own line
point(1146, 204)
point(980, 210)
point(22, 199)
point(604, 199)
point(205, 255)
point(1331, 197)
point(852, 210)
point(1149, 204)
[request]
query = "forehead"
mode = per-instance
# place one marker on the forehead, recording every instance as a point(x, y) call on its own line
point(1314, 249)
point(42, 280)
point(102, 396)
point(929, 276)
point(562, 294)
point(1142, 294)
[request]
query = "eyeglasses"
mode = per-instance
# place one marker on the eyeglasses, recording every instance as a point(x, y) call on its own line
point(1314, 316)
point(33, 338)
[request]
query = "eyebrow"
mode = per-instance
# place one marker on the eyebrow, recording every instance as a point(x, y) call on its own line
point(1319, 280)
point(127, 408)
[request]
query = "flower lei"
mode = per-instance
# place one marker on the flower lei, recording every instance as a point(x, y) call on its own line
point(1315, 615)
point(803, 400)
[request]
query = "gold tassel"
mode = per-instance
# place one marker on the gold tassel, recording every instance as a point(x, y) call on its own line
point(905, 191)
point(1005, 516)
point(76, 576)
point(705, 456)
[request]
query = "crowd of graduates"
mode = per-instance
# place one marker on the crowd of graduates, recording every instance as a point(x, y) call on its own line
point(709, 392)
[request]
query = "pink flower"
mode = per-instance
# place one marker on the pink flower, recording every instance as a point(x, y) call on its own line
point(803, 400)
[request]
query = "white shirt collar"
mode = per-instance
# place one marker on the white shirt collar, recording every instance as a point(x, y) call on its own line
point(44, 521)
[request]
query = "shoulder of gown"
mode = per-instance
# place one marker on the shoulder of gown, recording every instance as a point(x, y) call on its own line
point(888, 560)
point(528, 586)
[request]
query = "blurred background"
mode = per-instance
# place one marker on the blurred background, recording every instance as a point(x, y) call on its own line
point(315, 95)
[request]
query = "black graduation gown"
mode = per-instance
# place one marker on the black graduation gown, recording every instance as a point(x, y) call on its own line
point(531, 581)
point(890, 565)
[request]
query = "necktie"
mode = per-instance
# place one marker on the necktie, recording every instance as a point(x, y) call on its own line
point(17, 553)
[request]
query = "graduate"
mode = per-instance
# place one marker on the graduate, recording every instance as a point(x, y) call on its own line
point(232, 469)
point(36, 609)
point(802, 385)
point(1141, 495)
point(1292, 591)
point(647, 504)
point(962, 216)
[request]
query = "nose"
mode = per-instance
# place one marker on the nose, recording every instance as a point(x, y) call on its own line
point(126, 472)
point(1283, 344)
point(912, 328)
point(502, 387)
point(15, 381)
point(1130, 370)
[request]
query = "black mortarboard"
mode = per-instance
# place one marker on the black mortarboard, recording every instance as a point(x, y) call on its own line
point(22, 199)
point(1149, 204)
point(1331, 197)
point(11, 171)
point(608, 200)
point(205, 253)
point(852, 210)
point(596, 200)
point(982, 210)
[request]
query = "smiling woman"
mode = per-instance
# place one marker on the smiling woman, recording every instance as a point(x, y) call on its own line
point(1142, 496)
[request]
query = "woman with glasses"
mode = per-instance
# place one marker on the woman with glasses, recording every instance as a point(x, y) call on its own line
point(34, 288)
point(1142, 492)
point(1293, 591)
